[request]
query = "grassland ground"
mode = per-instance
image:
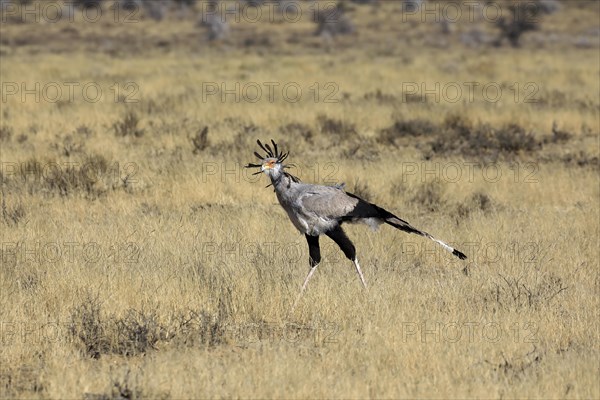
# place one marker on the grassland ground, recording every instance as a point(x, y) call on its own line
point(140, 259)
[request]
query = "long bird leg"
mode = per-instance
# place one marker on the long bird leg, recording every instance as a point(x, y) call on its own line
point(305, 284)
point(362, 278)
point(339, 236)
point(315, 257)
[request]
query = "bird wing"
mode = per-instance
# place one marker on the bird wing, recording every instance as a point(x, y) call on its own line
point(329, 202)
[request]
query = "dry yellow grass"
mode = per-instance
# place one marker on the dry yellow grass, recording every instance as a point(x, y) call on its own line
point(148, 270)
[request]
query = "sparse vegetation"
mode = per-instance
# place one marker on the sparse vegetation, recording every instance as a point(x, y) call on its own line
point(216, 27)
point(477, 202)
point(333, 21)
point(460, 136)
point(337, 127)
point(5, 133)
point(12, 215)
point(128, 126)
point(200, 141)
point(401, 129)
point(296, 131)
point(524, 17)
point(140, 260)
point(430, 197)
point(89, 326)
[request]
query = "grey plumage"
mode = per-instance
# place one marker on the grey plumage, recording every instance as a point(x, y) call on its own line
point(313, 209)
point(316, 210)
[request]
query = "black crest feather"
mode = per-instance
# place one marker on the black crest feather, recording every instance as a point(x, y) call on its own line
point(272, 152)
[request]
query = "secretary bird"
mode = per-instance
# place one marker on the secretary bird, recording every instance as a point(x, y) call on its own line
point(317, 209)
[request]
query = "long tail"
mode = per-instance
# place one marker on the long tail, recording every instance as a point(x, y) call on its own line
point(365, 209)
point(406, 227)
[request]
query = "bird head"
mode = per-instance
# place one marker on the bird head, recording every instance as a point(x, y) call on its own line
point(272, 163)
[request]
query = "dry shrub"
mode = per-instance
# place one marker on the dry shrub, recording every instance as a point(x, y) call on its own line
point(94, 4)
point(100, 334)
point(12, 215)
point(513, 138)
point(558, 136)
point(477, 202)
point(457, 123)
point(516, 293)
point(200, 328)
point(380, 97)
point(258, 40)
point(333, 21)
point(524, 17)
point(460, 137)
point(128, 126)
point(200, 141)
point(245, 138)
point(553, 99)
point(516, 367)
point(80, 178)
point(401, 129)
point(430, 196)
point(581, 159)
point(331, 126)
point(22, 378)
point(361, 150)
point(139, 331)
point(216, 28)
point(125, 388)
point(296, 130)
point(91, 177)
point(88, 324)
point(83, 130)
point(6, 133)
point(69, 146)
point(122, 386)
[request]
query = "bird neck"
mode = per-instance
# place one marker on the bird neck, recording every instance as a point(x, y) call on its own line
point(281, 182)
